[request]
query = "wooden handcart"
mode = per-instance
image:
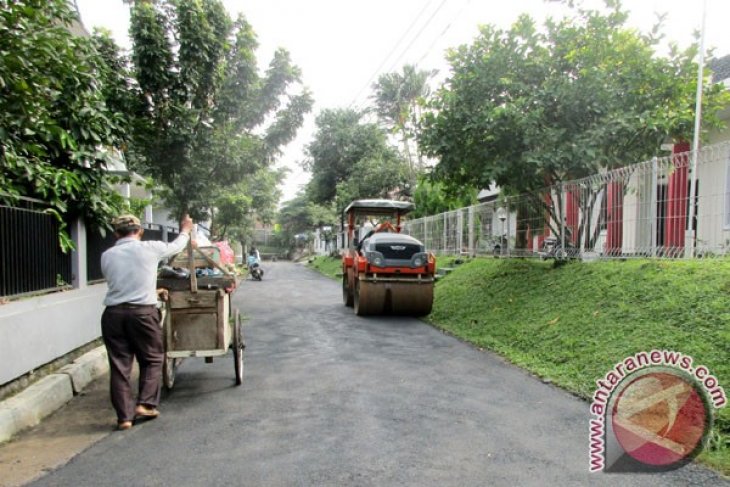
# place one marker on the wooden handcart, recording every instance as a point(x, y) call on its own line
point(198, 317)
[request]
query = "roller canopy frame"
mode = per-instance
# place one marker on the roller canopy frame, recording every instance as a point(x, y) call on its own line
point(374, 207)
point(379, 207)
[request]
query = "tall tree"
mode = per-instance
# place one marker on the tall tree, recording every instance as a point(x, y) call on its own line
point(238, 207)
point(56, 128)
point(398, 98)
point(431, 197)
point(300, 216)
point(208, 117)
point(380, 176)
point(526, 108)
point(340, 150)
point(117, 85)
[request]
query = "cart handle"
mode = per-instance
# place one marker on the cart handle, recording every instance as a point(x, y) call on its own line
point(191, 263)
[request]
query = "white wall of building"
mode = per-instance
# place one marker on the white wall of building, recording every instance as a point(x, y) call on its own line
point(35, 331)
point(713, 221)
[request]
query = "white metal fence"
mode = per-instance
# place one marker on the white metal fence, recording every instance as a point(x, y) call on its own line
point(641, 210)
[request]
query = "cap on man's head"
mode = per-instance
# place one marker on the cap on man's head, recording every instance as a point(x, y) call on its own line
point(126, 223)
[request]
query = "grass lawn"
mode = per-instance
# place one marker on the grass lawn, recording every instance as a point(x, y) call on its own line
point(329, 266)
point(571, 324)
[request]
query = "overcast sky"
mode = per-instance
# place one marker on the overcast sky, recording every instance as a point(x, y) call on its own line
point(341, 45)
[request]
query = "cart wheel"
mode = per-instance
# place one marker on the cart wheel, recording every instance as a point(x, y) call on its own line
point(238, 346)
point(168, 364)
point(168, 372)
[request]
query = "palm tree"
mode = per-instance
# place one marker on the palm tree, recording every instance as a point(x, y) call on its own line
point(397, 99)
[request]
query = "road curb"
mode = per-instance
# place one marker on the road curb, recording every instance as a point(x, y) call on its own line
point(86, 368)
point(29, 407)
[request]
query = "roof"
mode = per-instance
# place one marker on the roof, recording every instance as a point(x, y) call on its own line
point(720, 68)
point(379, 207)
point(488, 194)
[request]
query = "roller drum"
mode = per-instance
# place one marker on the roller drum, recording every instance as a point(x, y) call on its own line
point(411, 299)
point(369, 298)
point(400, 298)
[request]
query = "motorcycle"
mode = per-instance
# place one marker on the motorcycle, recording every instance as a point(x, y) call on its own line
point(499, 246)
point(254, 269)
point(552, 249)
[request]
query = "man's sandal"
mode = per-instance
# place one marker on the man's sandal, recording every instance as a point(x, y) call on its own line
point(143, 412)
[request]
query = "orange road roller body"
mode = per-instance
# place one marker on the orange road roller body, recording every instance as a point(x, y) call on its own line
point(384, 271)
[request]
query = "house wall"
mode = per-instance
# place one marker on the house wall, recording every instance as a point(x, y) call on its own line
point(643, 225)
point(36, 331)
point(721, 135)
point(161, 217)
point(320, 246)
point(712, 231)
point(631, 212)
point(714, 186)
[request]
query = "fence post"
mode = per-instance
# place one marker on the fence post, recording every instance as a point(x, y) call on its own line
point(426, 242)
point(470, 222)
point(563, 214)
point(509, 227)
point(78, 256)
point(445, 241)
point(165, 236)
point(652, 206)
point(690, 235)
point(459, 232)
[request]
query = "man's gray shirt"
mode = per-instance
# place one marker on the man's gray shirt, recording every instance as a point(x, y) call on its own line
point(130, 269)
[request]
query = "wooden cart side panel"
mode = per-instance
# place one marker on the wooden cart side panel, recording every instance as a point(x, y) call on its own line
point(226, 322)
point(227, 328)
point(222, 320)
point(198, 322)
point(186, 299)
point(194, 331)
point(224, 313)
point(167, 328)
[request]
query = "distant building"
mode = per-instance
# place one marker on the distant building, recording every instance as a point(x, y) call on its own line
point(489, 194)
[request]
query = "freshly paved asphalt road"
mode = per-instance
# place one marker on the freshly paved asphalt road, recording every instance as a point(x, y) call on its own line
point(332, 399)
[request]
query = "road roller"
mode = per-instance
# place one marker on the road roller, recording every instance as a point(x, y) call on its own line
point(383, 270)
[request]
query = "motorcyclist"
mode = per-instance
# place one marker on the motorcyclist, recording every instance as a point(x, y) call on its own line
point(253, 257)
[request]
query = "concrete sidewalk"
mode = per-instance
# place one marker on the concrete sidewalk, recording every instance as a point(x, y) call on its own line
point(27, 408)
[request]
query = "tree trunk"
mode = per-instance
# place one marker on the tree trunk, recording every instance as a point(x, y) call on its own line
point(408, 153)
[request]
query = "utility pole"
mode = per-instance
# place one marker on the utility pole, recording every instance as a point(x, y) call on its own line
point(696, 137)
